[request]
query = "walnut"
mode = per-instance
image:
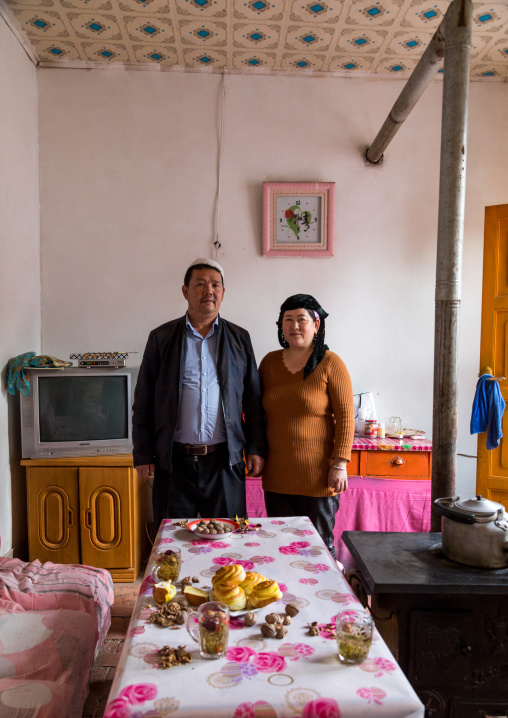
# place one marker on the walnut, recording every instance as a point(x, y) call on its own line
point(313, 629)
point(186, 581)
point(163, 621)
point(195, 579)
point(281, 632)
point(286, 621)
point(272, 618)
point(268, 630)
point(250, 619)
point(184, 604)
point(173, 656)
point(180, 618)
point(292, 609)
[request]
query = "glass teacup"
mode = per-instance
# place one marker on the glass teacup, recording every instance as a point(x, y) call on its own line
point(354, 636)
point(209, 626)
point(167, 565)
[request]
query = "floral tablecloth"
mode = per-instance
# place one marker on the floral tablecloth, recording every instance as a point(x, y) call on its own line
point(260, 677)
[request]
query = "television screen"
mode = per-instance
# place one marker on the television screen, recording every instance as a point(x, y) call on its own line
point(83, 408)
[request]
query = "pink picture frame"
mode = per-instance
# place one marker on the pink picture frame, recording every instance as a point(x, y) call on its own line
point(298, 219)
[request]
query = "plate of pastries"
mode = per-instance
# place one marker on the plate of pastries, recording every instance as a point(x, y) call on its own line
point(242, 590)
point(212, 528)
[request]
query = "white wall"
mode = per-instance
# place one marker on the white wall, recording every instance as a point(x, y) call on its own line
point(128, 184)
point(20, 308)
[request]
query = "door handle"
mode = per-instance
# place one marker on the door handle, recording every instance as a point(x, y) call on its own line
point(71, 518)
point(88, 519)
point(398, 461)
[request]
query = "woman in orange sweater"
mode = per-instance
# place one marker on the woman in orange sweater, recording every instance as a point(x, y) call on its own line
point(308, 401)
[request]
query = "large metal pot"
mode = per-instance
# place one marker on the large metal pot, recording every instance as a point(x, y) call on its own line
point(475, 531)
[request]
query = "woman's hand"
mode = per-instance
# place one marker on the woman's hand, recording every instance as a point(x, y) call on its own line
point(337, 478)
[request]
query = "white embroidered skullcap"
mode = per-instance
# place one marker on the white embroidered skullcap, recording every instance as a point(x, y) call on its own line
point(210, 263)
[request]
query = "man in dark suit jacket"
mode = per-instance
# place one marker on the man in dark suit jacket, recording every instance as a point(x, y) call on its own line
point(197, 407)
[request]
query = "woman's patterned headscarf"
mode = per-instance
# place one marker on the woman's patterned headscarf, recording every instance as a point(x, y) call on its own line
point(306, 301)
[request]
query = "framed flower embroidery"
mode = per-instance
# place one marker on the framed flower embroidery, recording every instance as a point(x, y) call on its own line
point(298, 219)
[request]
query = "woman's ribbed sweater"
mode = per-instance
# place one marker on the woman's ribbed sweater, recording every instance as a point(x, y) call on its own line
point(303, 437)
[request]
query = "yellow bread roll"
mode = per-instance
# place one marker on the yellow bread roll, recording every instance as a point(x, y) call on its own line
point(231, 594)
point(163, 592)
point(251, 579)
point(264, 593)
point(234, 572)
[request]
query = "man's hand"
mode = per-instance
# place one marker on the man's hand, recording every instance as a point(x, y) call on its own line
point(254, 464)
point(146, 471)
point(337, 479)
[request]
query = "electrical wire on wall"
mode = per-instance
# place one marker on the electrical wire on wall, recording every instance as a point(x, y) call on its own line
point(217, 245)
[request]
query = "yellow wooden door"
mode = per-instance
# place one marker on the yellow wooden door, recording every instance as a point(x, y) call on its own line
point(53, 514)
point(492, 466)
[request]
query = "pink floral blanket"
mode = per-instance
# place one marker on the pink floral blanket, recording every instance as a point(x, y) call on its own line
point(45, 660)
point(50, 586)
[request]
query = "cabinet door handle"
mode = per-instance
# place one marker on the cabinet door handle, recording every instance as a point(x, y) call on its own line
point(398, 461)
point(88, 519)
point(71, 518)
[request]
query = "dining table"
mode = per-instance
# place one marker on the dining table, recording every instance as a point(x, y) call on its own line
point(259, 677)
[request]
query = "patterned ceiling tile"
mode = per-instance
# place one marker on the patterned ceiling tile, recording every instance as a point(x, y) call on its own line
point(40, 23)
point(153, 7)
point(89, 5)
point(145, 28)
point(255, 10)
point(425, 14)
point(205, 57)
point(407, 43)
point(156, 55)
point(201, 8)
point(256, 35)
point(376, 36)
point(361, 41)
point(93, 25)
point(302, 39)
point(490, 17)
point(108, 53)
point(40, 4)
point(201, 33)
point(53, 50)
point(317, 11)
point(302, 61)
point(367, 13)
point(489, 70)
point(257, 59)
point(350, 64)
point(498, 52)
point(397, 66)
point(479, 44)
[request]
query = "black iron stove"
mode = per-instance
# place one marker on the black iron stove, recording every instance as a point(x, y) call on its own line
point(446, 624)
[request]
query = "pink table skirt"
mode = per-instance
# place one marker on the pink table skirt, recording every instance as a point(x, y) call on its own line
point(381, 505)
point(367, 505)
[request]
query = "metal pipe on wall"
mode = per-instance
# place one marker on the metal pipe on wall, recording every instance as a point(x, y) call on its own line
point(452, 187)
point(414, 88)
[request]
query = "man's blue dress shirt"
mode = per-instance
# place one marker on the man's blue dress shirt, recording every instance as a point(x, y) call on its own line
point(201, 419)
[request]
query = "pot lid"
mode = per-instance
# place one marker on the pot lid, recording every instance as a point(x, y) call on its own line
point(479, 506)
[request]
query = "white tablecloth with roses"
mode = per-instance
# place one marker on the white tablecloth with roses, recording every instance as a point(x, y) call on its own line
point(299, 675)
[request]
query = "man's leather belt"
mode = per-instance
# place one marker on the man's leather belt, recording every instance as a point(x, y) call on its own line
point(198, 449)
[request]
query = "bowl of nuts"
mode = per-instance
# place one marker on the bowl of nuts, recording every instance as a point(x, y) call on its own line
point(212, 528)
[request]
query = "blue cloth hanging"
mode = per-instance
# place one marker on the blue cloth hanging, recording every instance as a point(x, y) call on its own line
point(16, 376)
point(488, 408)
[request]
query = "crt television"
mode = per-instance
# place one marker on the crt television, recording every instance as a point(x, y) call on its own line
point(77, 412)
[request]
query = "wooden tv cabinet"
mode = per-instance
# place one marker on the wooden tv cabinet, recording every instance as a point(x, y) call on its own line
point(88, 510)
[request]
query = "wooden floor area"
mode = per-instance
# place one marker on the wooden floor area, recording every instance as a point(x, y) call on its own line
point(106, 662)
